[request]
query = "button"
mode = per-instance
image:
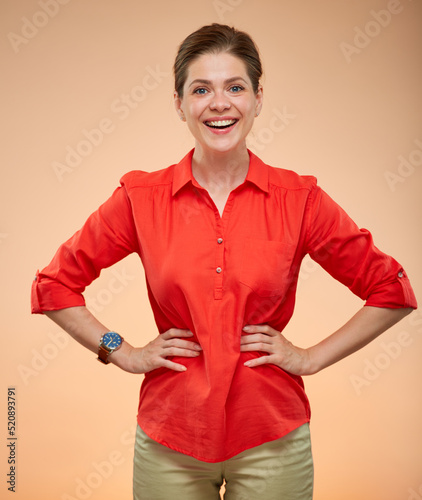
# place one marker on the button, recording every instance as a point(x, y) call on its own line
point(400, 274)
point(218, 270)
point(220, 240)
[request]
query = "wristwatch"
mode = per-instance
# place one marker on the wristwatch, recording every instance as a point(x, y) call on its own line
point(109, 342)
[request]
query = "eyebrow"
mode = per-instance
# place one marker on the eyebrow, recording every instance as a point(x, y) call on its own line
point(208, 82)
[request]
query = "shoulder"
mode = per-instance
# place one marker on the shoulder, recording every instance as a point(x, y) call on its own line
point(282, 177)
point(288, 179)
point(141, 179)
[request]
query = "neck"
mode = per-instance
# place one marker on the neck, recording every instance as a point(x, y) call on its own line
point(220, 170)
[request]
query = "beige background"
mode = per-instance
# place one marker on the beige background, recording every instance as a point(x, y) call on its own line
point(351, 115)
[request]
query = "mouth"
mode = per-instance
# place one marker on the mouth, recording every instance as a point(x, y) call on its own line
point(220, 124)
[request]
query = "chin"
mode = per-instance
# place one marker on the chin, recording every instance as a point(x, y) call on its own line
point(221, 147)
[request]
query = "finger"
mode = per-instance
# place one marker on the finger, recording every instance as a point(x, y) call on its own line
point(257, 346)
point(266, 329)
point(255, 337)
point(262, 360)
point(171, 365)
point(185, 344)
point(176, 332)
point(177, 351)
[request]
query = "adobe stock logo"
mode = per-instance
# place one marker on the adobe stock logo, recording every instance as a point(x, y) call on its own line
point(43, 356)
point(363, 36)
point(406, 166)
point(102, 471)
point(221, 7)
point(415, 495)
point(117, 284)
point(257, 141)
point(121, 107)
point(390, 351)
point(32, 26)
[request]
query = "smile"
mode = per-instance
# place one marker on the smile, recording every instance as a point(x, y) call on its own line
point(220, 124)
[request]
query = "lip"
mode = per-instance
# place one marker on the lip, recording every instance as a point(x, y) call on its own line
point(221, 118)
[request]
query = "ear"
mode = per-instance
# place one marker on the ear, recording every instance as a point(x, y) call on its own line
point(179, 106)
point(259, 100)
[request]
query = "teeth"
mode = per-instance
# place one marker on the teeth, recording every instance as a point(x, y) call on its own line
point(221, 123)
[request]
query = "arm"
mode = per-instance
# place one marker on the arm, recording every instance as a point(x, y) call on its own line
point(367, 324)
point(87, 330)
point(107, 236)
point(349, 255)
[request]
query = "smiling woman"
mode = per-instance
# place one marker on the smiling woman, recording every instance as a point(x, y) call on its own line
point(221, 236)
point(219, 111)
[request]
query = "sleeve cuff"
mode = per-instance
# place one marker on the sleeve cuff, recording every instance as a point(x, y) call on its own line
point(49, 295)
point(398, 294)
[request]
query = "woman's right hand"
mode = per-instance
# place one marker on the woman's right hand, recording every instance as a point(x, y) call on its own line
point(154, 355)
point(85, 328)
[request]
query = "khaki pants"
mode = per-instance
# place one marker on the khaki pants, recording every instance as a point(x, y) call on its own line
point(278, 470)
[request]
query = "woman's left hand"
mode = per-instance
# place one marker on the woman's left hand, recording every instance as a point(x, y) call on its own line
point(281, 352)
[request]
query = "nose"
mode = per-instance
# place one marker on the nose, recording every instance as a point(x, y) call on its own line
point(220, 102)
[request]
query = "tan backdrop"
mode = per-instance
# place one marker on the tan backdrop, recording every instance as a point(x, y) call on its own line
point(86, 96)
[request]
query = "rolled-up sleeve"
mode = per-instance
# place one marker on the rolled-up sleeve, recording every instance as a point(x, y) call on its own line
point(107, 236)
point(348, 254)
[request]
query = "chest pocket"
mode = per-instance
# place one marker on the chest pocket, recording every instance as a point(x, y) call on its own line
point(266, 266)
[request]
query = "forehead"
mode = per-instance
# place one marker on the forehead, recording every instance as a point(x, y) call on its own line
point(216, 67)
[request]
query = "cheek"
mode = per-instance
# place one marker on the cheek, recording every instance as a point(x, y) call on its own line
point(194, 110)
point(249, 112)
point(249, 108)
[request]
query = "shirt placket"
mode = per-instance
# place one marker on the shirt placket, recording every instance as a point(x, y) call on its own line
point(219, 261)
point(219, 239)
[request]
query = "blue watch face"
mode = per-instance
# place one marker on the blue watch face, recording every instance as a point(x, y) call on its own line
point(112, 340)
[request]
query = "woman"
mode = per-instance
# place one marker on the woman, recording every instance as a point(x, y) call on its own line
point(221, 236)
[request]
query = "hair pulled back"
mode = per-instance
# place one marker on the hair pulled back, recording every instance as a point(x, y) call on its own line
point(216, 38)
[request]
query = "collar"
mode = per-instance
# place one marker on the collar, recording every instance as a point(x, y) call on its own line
point(258, 173)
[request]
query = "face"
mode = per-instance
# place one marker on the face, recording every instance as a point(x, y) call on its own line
point(219, 103)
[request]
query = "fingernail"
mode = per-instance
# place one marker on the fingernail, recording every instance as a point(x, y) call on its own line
point(198, 347)
point(247, 328)
point(247, 363)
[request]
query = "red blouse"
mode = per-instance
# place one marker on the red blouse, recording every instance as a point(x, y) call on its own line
point(213, 275)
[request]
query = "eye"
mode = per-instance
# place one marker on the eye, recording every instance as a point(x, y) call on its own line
point(200, 91)
point(236, 88)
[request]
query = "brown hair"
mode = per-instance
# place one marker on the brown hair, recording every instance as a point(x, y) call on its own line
point(216, 38)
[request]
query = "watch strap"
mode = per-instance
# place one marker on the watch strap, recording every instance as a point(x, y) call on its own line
point(103, 355)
